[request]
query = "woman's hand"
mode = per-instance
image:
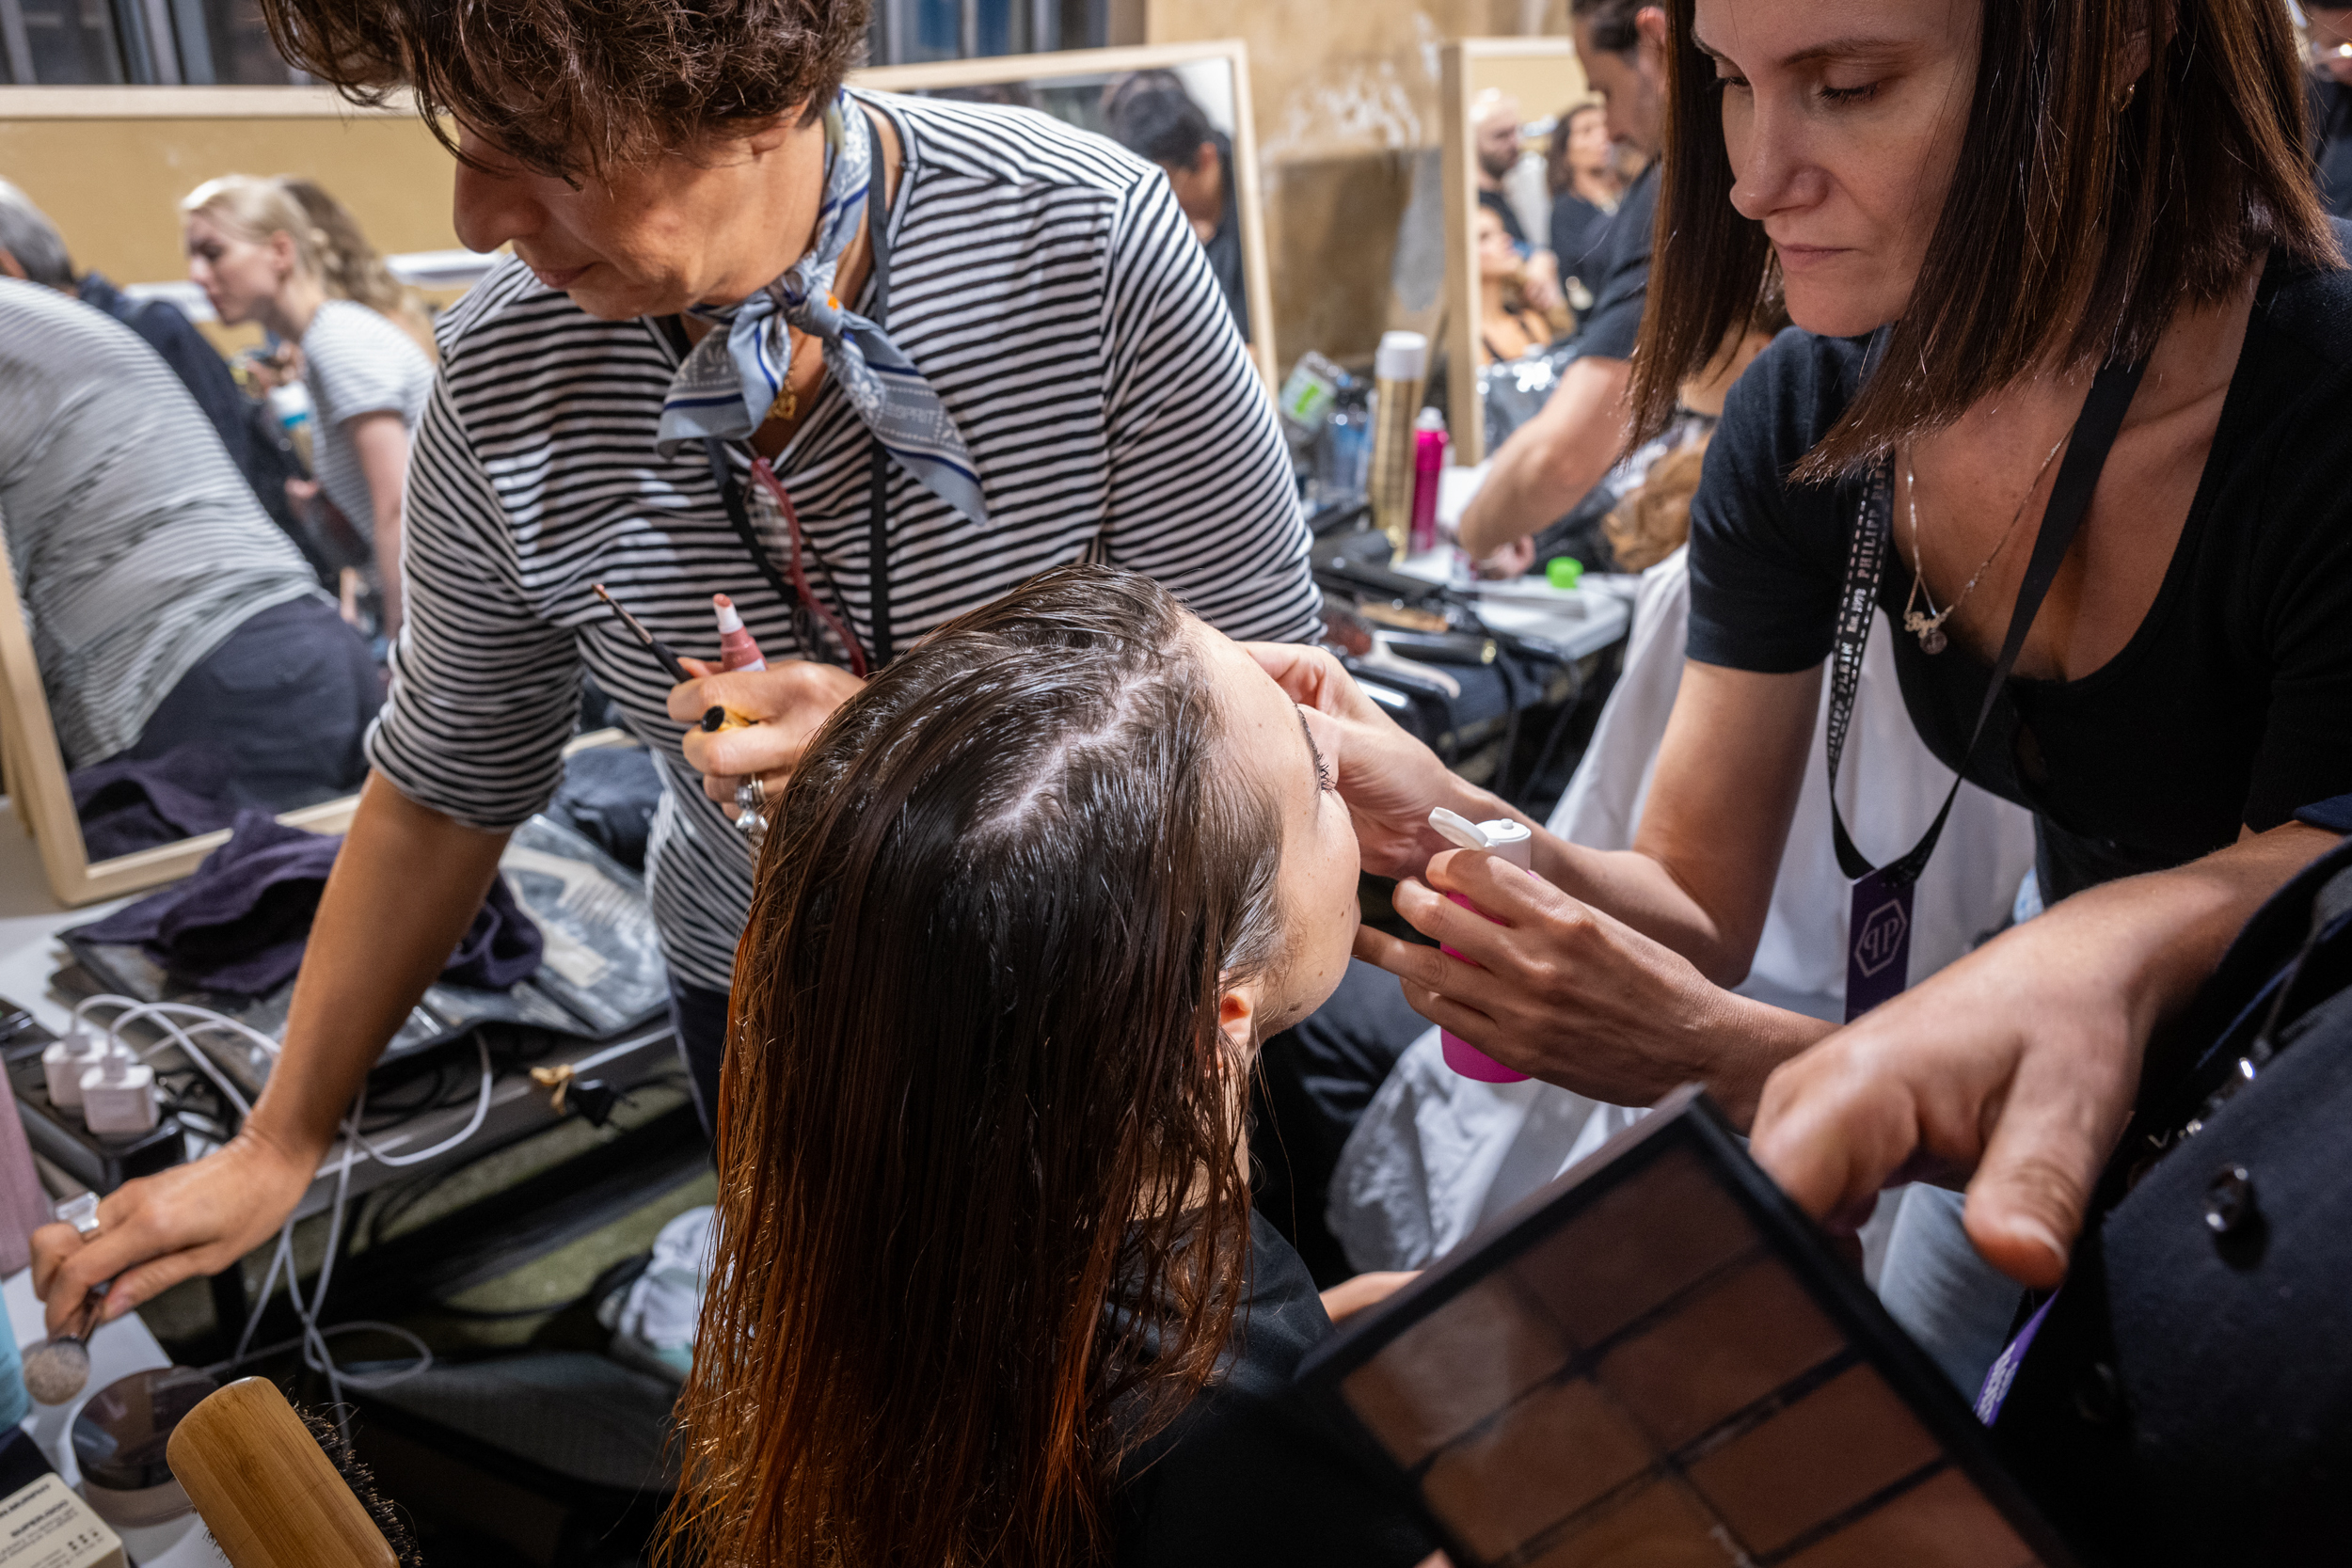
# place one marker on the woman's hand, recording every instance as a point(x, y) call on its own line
point(1389, 780)
point(155, 1233)
point(1511, 560)
point(1565, 992)
point(2019, 1063)
point(786, 704)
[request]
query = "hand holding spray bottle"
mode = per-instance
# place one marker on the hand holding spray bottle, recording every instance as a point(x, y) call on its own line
point(1514, 842)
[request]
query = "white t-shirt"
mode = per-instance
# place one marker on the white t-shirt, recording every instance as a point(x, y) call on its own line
point(357, 361)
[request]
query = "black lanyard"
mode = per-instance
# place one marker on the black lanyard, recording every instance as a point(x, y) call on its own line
point(1878, 952)
point(877, 511)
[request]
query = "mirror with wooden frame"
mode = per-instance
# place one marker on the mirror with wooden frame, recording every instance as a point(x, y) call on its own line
point(1501, 99)
point(1184, 107)
point(109, 168)
point(151, 689)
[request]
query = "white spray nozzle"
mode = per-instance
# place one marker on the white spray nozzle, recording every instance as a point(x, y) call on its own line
point(1454, 828)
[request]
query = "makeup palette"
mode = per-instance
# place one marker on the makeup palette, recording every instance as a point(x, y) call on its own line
point(1659, 1361)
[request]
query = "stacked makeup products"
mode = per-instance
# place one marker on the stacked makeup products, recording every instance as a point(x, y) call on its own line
point(1659, 1361)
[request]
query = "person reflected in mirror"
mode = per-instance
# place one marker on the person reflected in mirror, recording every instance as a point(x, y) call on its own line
point(352, 267)
point(1585, 193)
point(1498, 146)
point(191, 663)
point(1152, 115)
point(1554, 460)
point(1031, 903)
point(1508, 327)
point(31, 248)
point(258, 258)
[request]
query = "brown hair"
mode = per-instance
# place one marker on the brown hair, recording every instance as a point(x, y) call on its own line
point(975, 1089)
point(1654, 521)
point(2071, 229)
point(569, 86)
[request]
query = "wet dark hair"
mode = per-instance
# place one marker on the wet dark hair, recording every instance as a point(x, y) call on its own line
point(1149, 113)
point(975, 1085)
point(2073, 229)
point(571, 86)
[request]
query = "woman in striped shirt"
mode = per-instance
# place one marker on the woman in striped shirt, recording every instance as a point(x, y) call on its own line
point(697, 374)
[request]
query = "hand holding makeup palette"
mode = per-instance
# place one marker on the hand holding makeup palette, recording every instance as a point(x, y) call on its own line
point(1659, 1362)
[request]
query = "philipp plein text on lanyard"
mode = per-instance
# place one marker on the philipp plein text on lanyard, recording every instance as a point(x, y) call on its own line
point(1877, 934)
point(798, 599)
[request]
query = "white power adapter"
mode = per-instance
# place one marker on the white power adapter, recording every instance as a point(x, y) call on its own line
point(118, 1096)
point(65, 1061)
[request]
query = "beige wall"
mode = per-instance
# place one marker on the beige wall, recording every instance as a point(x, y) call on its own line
point(1346, 100)
point(112, 185)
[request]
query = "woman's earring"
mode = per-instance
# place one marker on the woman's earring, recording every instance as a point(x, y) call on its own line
point(2131, 90)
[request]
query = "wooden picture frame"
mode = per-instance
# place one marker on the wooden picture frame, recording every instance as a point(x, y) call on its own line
point(1458, 87)
point(998, 69)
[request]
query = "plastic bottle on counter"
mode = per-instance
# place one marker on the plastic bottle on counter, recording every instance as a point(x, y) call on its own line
point(1429, 443)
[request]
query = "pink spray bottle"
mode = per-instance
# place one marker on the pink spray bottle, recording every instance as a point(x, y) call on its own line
point(736, 650)
point(1516, 843)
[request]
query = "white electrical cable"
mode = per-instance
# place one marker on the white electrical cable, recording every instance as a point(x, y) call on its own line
point(480, 1114)
point(164, 1016)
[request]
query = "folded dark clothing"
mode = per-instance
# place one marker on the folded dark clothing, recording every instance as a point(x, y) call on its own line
point(240, 924)
point(126, 804)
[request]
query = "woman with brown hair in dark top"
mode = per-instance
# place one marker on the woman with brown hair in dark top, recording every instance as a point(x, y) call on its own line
point(2055, 264)
point(987, 1289)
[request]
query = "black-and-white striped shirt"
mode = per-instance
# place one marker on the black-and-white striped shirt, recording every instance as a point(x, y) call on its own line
point(138, 546)
point(1047, 285)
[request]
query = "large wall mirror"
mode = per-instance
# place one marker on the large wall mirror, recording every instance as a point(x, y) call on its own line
point(109, 168)
point(1160, 100)
point(1509, 107)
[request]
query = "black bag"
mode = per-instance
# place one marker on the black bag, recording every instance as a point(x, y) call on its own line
point(2189, 1397)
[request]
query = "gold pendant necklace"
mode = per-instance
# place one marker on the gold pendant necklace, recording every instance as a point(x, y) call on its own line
point(1928, 628)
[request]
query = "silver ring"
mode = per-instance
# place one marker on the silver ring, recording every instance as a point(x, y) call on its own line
point(81, 1213)
point(751, 820)
point(752, 793)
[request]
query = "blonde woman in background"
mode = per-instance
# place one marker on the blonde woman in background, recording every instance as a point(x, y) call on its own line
point(354, 269)
point(258, 258)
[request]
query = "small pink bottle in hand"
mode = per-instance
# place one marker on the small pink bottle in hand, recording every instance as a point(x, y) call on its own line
point(1516, 843)
point(736, 650)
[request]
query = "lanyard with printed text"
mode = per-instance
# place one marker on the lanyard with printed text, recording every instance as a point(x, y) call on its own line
point(1878, 933)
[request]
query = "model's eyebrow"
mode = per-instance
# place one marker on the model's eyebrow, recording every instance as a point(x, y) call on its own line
point(1315, 753)
point(1851, 47)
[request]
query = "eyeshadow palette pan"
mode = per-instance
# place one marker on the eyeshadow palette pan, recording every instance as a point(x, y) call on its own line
point(1659, 1362)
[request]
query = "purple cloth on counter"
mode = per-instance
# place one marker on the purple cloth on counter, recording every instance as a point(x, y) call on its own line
point(127, 805)
point(241, 923)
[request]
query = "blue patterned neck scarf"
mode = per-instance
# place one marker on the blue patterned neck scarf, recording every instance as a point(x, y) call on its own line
point(733, 377)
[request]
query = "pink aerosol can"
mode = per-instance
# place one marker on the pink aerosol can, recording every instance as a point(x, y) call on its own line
point(1516, 843)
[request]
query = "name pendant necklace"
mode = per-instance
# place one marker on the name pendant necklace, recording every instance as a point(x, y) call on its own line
point(1929, 626)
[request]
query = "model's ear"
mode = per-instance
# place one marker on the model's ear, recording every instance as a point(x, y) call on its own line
point(1237, 1017)
point(9, 266)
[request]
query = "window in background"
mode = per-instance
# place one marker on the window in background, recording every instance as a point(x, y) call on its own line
point(233, 36)
point(103, 43)
point(61, 41)
point(910, 32)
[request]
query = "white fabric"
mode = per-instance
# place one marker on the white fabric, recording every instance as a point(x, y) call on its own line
point(654, 1328)
point(1437, 1155)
